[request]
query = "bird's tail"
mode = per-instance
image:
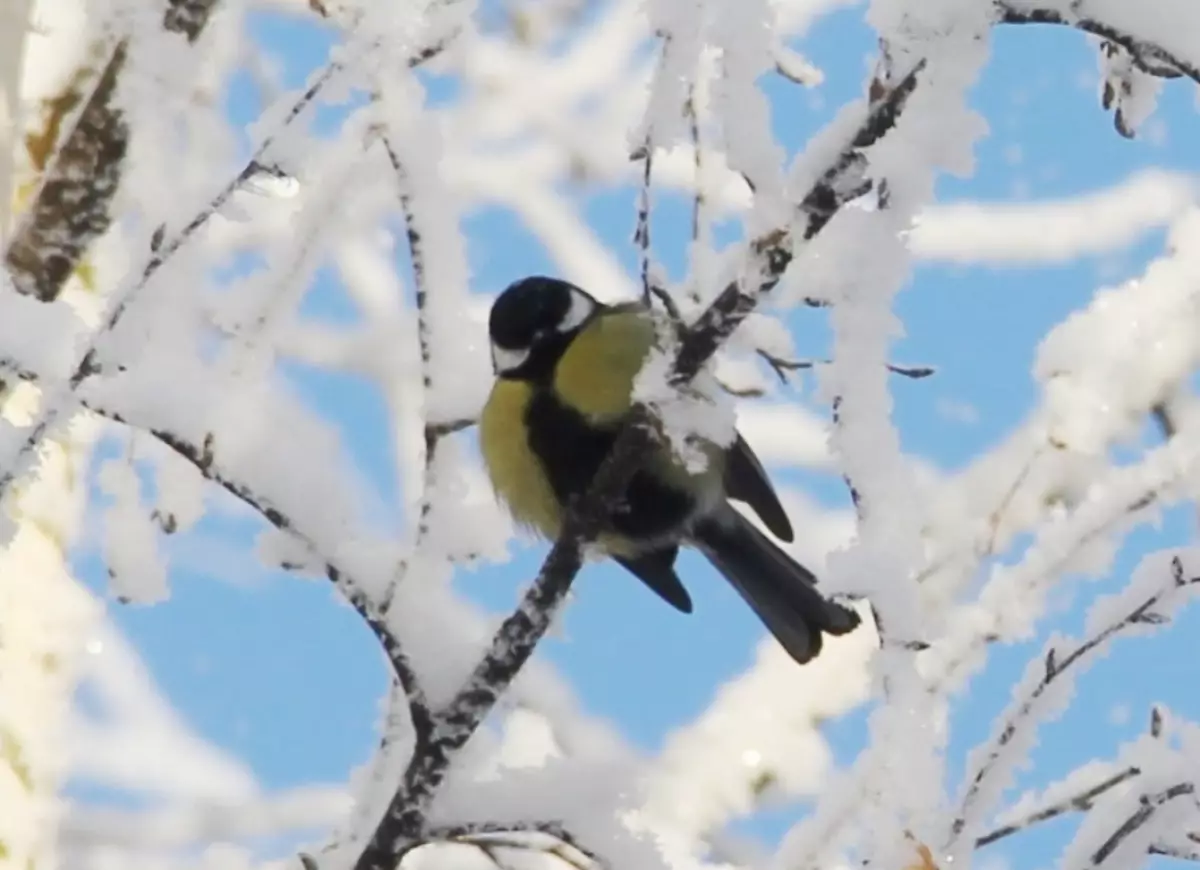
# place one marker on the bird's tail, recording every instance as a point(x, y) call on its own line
point(781, 591)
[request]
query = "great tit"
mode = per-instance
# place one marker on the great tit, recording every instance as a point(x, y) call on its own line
point(565, 367)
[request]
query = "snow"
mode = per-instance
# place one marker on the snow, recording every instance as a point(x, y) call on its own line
point(1094, 396)
point(208, 332)
point(1164, 23)
point(741, 34)
point(1125, 89)
point(1147, 811)
point(1078, 781)
point(451, 387)
point(37, 339)
point(136, 568)
point(702, 413)
point(879, 562)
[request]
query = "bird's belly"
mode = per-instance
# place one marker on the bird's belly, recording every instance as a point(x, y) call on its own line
point(540, 454)
point(657, 504)
point(516, 474)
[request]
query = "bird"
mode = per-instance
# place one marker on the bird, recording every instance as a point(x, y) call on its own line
point(565, 366)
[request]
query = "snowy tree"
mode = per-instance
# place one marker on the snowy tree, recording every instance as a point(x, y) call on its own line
point(159, 256)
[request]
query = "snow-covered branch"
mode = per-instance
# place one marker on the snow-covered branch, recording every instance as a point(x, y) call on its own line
point(548, 838)
point(213, 286)
point(772, 252)
point(1146, 47)
point(205, 458)
point(1147, 806)
point(1174, 844)
point(80, 176)
point(518, 636)
point(1152, 595)
point(1081, 801)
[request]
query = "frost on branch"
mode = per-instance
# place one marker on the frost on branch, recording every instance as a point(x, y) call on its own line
point(80, 160)
point(1126, 90)
point(1158, 588)
point(218, 247)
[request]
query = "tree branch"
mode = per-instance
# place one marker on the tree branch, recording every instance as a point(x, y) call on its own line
point(554, 840)
point(1149, 57)
point(433, 433)
point(1054, 667)
point(203, 457)
point(1083, 802)
point(1076, 803)
point(1148, 805)
point(402, 826)
point(73, 205)
point(783, 367)
point(1085, 799)
point(162, 249)
point(772, 252)
point(434, 430)
point(1180, 852)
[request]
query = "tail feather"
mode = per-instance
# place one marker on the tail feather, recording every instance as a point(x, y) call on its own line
point(780, 591)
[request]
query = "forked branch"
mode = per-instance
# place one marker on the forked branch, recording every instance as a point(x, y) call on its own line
point(403, 826)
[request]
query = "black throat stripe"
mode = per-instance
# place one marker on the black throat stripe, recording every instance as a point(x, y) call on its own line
point(571, 451)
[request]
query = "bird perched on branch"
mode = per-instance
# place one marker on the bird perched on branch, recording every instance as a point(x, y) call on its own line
point(565, 368)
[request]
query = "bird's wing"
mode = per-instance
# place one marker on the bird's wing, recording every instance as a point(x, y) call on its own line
point(780, 590)
point(657, 570)
point(745, 478)
point(746, 481)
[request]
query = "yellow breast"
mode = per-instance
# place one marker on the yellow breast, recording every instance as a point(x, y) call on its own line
point(596, 374)
point(515, 472)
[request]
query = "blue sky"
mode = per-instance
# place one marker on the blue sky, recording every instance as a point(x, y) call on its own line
point(283, 675)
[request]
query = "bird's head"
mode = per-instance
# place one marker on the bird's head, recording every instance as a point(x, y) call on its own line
point(533, 321)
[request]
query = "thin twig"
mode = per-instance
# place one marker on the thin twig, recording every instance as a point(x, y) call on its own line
point(641, 230)
point(433, 432)
point(772, 252)
point(1179, 852)
point(1094, 526)
point(641, 237)
point(403, 823)
point(1055, 667)
point(699, 196)
point(163, 249)
point(1150, 57)
point(1076, 803)
point(203, 457)
point(782, 367)
point(73, 205)
point(1084, 800)
point(641, 233)
point(89, 362)
point(1148, 805)
point(563, 844)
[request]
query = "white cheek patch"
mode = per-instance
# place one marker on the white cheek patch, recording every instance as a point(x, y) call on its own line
point(505, 360)
point(581, 309)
